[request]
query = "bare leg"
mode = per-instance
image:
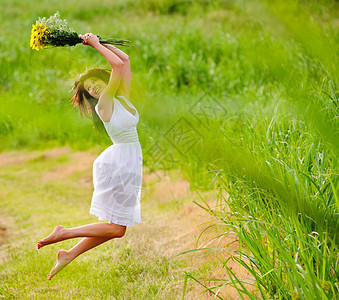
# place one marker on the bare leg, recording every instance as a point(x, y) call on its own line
point(65, 257)
point(61, 233)
point(86, 244)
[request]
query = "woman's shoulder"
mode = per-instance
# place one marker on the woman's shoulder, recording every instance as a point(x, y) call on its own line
point(104, 112)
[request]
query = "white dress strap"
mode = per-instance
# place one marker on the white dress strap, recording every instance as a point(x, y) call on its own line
point(129, 104)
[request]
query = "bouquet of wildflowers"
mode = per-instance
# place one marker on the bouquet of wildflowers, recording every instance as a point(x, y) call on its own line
point(54, 32)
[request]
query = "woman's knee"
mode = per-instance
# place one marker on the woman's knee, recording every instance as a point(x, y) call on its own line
point(118, 231)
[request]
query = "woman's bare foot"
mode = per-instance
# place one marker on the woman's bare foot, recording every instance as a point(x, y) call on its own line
point(63, 259)
point(56, 236)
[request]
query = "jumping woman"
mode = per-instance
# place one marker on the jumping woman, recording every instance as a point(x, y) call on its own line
point(117, 171)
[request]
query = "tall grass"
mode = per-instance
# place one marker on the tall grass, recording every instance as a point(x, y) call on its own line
point(287, 216)
point(283, 206)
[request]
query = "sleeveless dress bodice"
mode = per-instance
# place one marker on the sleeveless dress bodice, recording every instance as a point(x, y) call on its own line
point(122, 126)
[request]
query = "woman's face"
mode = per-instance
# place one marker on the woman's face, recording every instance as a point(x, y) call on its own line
point(94, 87)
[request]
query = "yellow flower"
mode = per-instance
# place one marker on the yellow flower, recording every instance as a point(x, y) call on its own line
point(39, 36)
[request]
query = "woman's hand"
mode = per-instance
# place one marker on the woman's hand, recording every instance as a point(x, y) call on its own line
point(90, 39)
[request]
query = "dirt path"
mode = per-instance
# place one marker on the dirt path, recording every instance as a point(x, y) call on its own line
point(171, 223)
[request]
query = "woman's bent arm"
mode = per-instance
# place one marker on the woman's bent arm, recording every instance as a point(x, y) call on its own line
point(93, 41)
point(117, 67)
point(125, 84)
point(121, 54)
point(111, 58)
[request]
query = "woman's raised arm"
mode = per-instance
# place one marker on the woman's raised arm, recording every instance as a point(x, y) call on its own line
point(105, 100)
point(93, 41)
point(125, 84)
point(122, 55)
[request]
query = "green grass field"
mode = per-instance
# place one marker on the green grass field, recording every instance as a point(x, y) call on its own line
point(240, 97)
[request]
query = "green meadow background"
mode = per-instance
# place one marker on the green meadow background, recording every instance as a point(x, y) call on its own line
point(240, 96)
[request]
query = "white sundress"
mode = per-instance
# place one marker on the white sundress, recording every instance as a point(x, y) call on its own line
point(117, 171)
